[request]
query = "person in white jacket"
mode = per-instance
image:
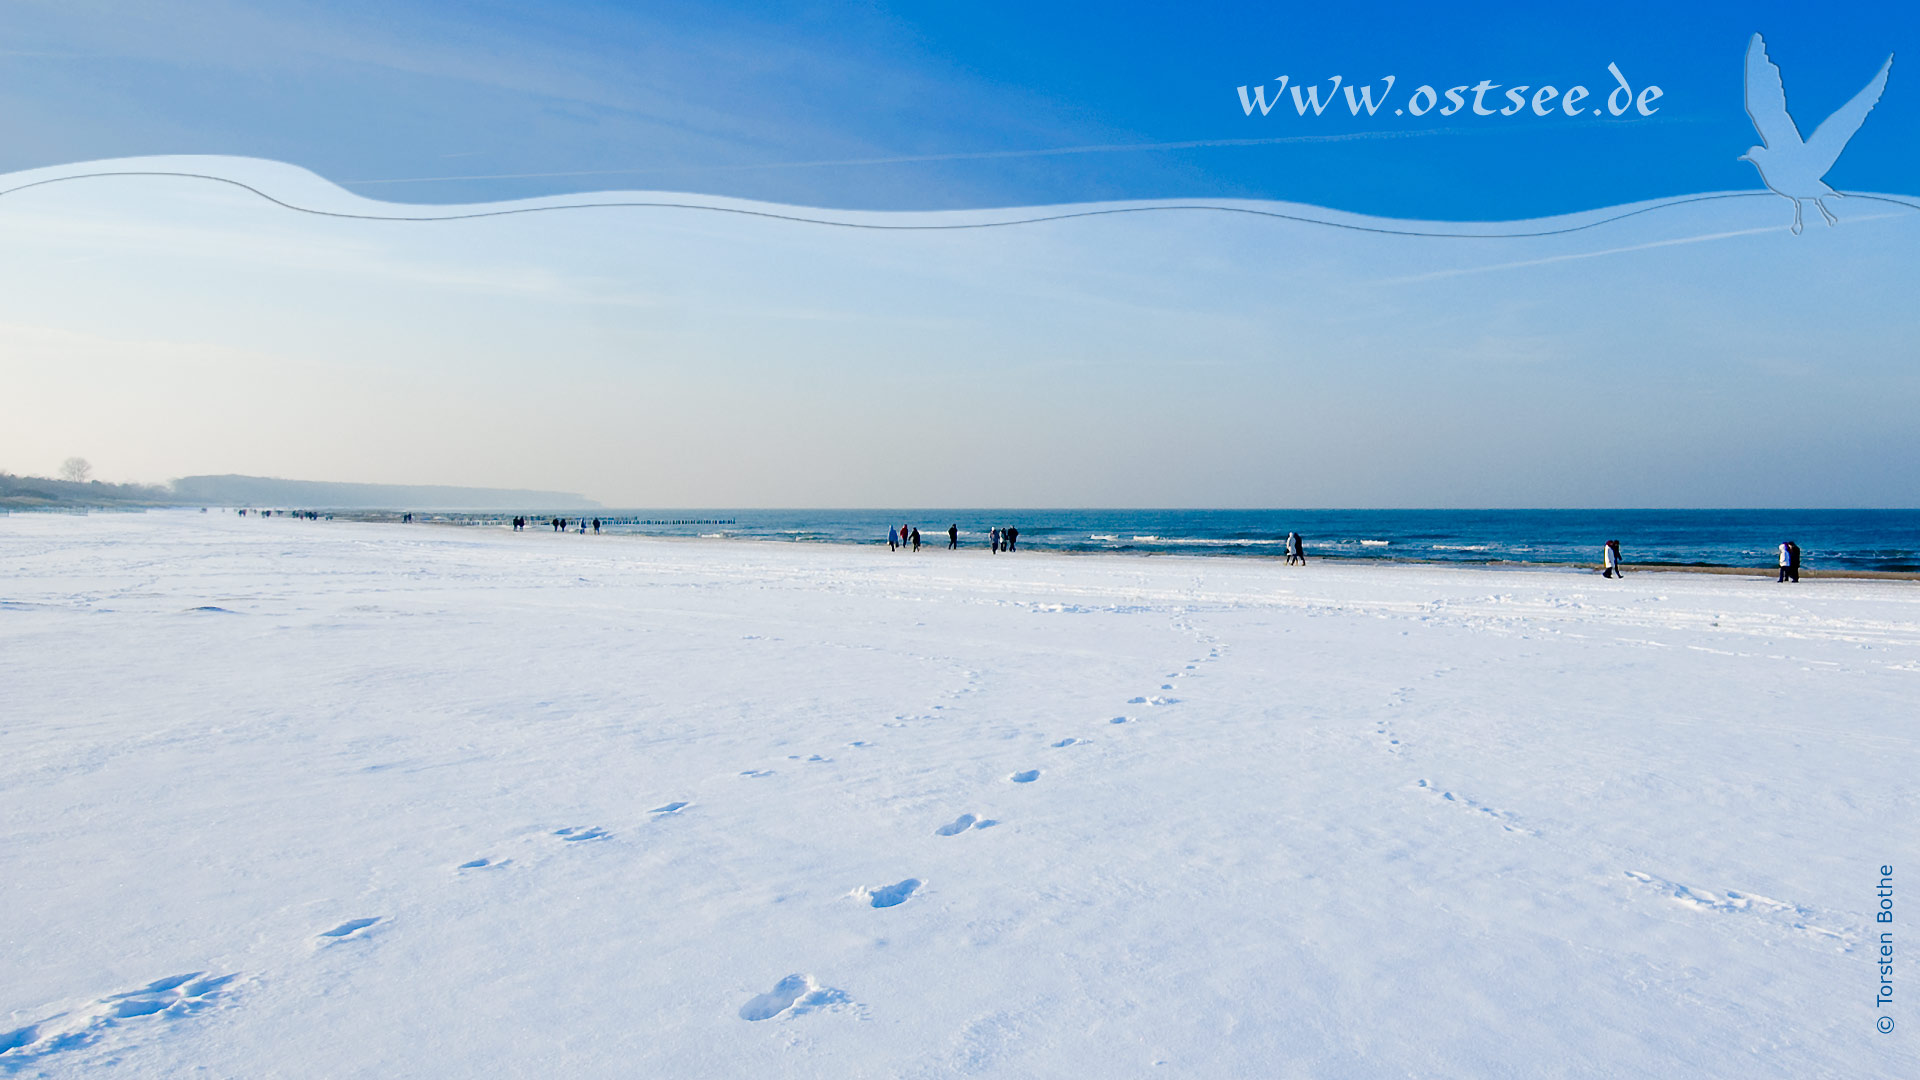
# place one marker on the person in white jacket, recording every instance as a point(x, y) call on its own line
point(1786, 560)
point(1610, 559)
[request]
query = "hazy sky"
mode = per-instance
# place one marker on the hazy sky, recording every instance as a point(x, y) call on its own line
point(1697, 355)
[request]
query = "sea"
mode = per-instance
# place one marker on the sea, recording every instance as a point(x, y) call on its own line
point(1886, 540)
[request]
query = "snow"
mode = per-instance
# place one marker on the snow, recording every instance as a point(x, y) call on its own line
point(289, 798)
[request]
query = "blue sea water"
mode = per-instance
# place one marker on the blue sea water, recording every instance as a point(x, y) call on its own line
point(1830, 539)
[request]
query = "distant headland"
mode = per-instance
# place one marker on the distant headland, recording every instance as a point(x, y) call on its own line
point(43, 493)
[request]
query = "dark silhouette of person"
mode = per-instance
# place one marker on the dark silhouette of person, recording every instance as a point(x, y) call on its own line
point(596, 526)
point(1793, 561)
point(953, 537)
point(1013, 537)
point(916, 538)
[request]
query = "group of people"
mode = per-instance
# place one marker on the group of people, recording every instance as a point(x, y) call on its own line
point(908, 536)
point(560, 525)
point(1789, 561)
point(1296, 550)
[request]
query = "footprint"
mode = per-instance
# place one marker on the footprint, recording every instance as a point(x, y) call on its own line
point(755, 774)
point(349, 928)
point(1027, 777)
point(1765, 909)
point(1153, 701)
point(475, 864)
point(174, 996)
point(1119, 719)
point(670, 808)
point(796, 992)
point(573, 834)
point(1066, 742)
point(889, 895)
point(956, 826)
point(1507, 819)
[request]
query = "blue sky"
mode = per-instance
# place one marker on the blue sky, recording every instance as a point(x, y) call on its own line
point(815, 103)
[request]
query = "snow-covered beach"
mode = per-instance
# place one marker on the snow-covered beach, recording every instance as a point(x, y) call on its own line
point(291, 798)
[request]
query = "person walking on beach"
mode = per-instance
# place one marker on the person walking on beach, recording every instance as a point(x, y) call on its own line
point(993, 539)
point(1610, 560)
point(1793, 562)
point(916, 538)
point(1296, 549)
point(1013, 536)
point(596, 526)
point(893, 538)
point(1786, 560)
point(953, 537)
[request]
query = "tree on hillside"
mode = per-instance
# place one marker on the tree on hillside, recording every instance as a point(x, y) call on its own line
point(76, 469)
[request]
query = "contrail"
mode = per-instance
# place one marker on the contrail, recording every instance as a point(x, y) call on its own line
point(910, 159)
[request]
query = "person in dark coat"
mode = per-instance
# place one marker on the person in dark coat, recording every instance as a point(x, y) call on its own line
point(1013, 536)
point(953, 537)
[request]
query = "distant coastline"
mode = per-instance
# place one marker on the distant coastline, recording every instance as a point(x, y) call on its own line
point(233, 490)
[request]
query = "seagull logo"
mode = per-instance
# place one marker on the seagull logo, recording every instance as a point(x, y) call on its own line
point(1789, 165)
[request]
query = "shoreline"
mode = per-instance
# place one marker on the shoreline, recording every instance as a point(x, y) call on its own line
point(489, 520)
point(1340, 560)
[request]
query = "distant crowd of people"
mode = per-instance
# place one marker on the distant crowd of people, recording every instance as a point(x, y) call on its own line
point(560, 525)
point(308, 515)
point(999, 538)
